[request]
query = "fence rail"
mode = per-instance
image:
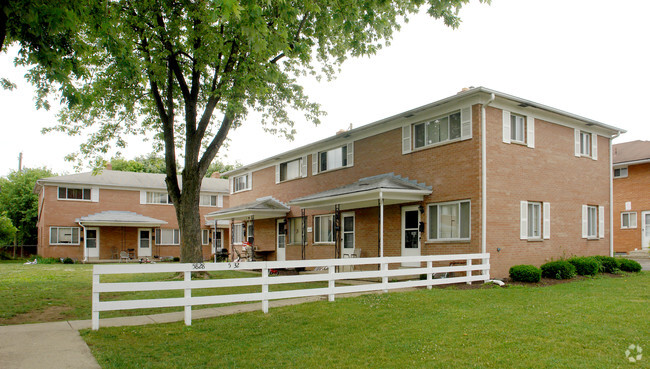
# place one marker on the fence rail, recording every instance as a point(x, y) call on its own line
point(265, 280)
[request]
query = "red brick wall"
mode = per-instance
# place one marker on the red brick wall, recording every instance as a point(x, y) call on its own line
point(634, 189)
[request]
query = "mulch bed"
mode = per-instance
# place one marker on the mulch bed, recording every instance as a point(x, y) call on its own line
point(545, 282)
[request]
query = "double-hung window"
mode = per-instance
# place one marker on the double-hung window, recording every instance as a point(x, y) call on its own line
point(449, 221)
point(585, 143)
point(68, 193)
point(209, 200)
point(517, 128)
point(295, 231)
point(445, 128)
point(166, 236)
point(333, 159)
point(324, 228)
point(158, 198)
point(242, 183)
point(620, 172)
point(64, 235)
point(534, 220)
point(593, 221)
point(628, 220)
point(238, 233)
point(290, 170)
point(205, 236)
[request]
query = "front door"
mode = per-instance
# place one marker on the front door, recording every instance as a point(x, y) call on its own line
point(144, 242)
point(410, 233)
point(347, 235)
point(281, 251)
point(216, 241)
point(92, 242)
point(645, 229)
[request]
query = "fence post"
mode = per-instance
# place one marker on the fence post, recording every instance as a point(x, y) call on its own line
point(188, 296)
point(486, 272)
point(265, 289)
point(469, 272)
point(429, 275)
point(95, 301)
point(331, 283)
point(384, 278)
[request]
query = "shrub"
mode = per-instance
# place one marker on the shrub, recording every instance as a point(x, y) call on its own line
point(525, 273)
point(42, 260)
point(608, 264)
point(176, 258)
point(68, 261)
point(628, 265)
point(585, 265)
point(560, 269)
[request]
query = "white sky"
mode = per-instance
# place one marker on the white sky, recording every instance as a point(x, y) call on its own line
point(589, 58)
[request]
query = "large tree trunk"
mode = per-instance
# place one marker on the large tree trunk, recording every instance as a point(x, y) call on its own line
point(189, 219)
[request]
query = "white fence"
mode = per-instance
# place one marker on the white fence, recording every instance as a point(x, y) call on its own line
point(461, 265)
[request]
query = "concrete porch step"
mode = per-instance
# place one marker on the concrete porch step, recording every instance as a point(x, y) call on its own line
point(638, 254)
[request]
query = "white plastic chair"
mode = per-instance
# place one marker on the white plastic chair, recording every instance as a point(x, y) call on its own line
point(124, 256)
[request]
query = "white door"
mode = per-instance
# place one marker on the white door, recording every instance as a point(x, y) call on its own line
point(217, 241)
point(92, 242)
point(645, 229)
point(347, 235)
point(281, 251)
point(144, 242)
point(410, 233)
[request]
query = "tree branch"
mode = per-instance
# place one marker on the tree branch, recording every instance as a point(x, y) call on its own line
point(295, 39)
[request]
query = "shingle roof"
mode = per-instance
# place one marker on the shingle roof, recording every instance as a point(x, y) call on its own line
point(631, 151)
point(261, 208)
point(121, 217)
point(116, 178)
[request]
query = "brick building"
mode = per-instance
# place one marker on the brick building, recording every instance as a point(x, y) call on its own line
point(631, 199)
point(95, 217)
point(480, 171)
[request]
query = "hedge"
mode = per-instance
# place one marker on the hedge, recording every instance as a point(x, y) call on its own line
point(525, 273)
point(560, 269)
point(608, 264)
point(629, 265)
point(585, 265)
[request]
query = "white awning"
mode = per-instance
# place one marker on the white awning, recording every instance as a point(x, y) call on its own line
point(263, 208)
point(114, 218)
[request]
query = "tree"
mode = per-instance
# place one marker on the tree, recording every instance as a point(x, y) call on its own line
point(151, 163)
point(189, 71)
point(19, 202)
point(219, 167)
point(7, 230)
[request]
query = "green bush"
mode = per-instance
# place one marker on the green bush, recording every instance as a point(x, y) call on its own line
point(42, 260)
point(525, 273)
point(585, 265)
point(176, 258)
point(560, 269)
point(608, 264)
point(628, 265)
point(68, 261)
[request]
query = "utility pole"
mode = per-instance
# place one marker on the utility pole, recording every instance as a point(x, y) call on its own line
point(20, 162)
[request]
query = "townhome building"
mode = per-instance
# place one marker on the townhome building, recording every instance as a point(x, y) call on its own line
point(115, 214)
point(479, 171)
point(631, 197)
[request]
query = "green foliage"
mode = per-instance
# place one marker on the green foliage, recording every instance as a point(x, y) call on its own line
point(525, 273)
point(151, 163)
point(560, 269)
point(7, 230)
point(585, 265)
point(68, 261)
point(19, 202)
point(629, 265)
point(608, 264)
point(219, 167)
point(42, 260)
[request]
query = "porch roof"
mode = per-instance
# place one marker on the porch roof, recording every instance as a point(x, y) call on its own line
point(393, 189)
point(119, 219)
point(262, 208)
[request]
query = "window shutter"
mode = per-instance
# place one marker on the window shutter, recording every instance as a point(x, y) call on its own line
point(466, 123)
point(277, 173)
point(143, 197)
point(250, 181)
point(314, 164)
point(577, 141)
point(523, 233)
point(220, 201)
point(547, 220)
point(584, 221)
point(506, 128)
point(594, 146)
point(406, 139)
point(94, 194)
point(231, 180)
point(303, 166)
point(530, 130)
point(601, 221)
point(350, 154)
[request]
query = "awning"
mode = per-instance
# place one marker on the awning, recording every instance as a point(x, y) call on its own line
point(366, 192)
point(113, 218)
point(219, 223)
point(262, 208)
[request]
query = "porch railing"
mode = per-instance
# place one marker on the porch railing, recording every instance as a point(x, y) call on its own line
point(466, 268)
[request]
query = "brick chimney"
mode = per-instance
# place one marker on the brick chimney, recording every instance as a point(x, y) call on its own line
point(215, 175)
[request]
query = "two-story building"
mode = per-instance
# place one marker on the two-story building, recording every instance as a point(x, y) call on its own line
point(631, 198)
point(480, 171)
point(95, 217)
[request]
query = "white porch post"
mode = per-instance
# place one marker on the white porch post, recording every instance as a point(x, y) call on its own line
point(381, 224)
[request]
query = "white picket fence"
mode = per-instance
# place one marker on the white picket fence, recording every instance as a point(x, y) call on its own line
point(331, 275)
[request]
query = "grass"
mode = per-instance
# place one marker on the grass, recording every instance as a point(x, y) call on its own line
point(582, 324)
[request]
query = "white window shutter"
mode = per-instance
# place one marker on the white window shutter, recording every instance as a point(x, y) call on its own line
point(220, 201)
point(594, 146)
point(406, 139)
point(350, 154)
point(94, 194)
point(523, 233)
point(303, 166)
point(576, 133)
point(277, 173)
point(506, 126)
point(466, 123)
point(314, 164)
point(547, 220)
point(601, 221)
point(584, 221)
point(530, 131)
point(143, 197)
point(231, 184)
point(250, 181)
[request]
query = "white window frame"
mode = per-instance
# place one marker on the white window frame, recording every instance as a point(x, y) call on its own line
point(631, 219)
point(58, 236)
point(426, 125)
point(291, 227)
point(585, 143)
point(592, 221)
point(149, 198)
point(517, 128)
point(543, 223)
point(175, 234)
point(344, 159)
point(622, 172)
point(209, 198)
point(535, 224)
point(236, 182)
point(438, 206)
point(285, 165)
point(319, 221)
point(238, 234)
point(67, 189)
point(205, 236)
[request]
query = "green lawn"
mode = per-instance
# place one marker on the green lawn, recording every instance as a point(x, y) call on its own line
point(583, 324)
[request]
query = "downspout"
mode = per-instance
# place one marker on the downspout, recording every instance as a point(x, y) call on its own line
point(484, 174)
point(381, 224)
point(84, 236)
point(611, 195)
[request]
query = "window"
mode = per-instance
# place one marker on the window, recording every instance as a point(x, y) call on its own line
point(205, 236)
point(158, 198)
point(620, 172)
point(441, 129)
point(585, 143)
point(238, 233)
point(323, 228)
point(168, 237)
point(592, 221)
point(333, 159)
point(242, 183)
point(64, 235)
point(68, 193)
point(517, 128)
point(534, 220)
point(295, 231)
point(208, 200)
point(290, 170)
point(628, 220)
point(449, 221)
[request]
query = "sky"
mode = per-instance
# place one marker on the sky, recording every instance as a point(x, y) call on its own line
point(590, 58)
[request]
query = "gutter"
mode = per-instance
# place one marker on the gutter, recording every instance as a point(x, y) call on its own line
point(611, 194)
point(484, 173)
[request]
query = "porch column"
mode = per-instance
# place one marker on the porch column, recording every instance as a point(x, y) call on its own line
point(381, 224)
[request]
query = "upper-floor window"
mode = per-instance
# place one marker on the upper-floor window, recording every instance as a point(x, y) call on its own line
point(449, 221)
point(241, 183)
point(64, 235)
point(585, 143)
point(290, 170)
point(333, 159)
point(166, 236)
point(158, 198)
point(620, 172)
point(441, 129)
point(517, 128)
point(210, 200)
point(70, 193)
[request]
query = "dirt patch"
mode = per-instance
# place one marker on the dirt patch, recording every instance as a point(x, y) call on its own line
point(51, 314)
